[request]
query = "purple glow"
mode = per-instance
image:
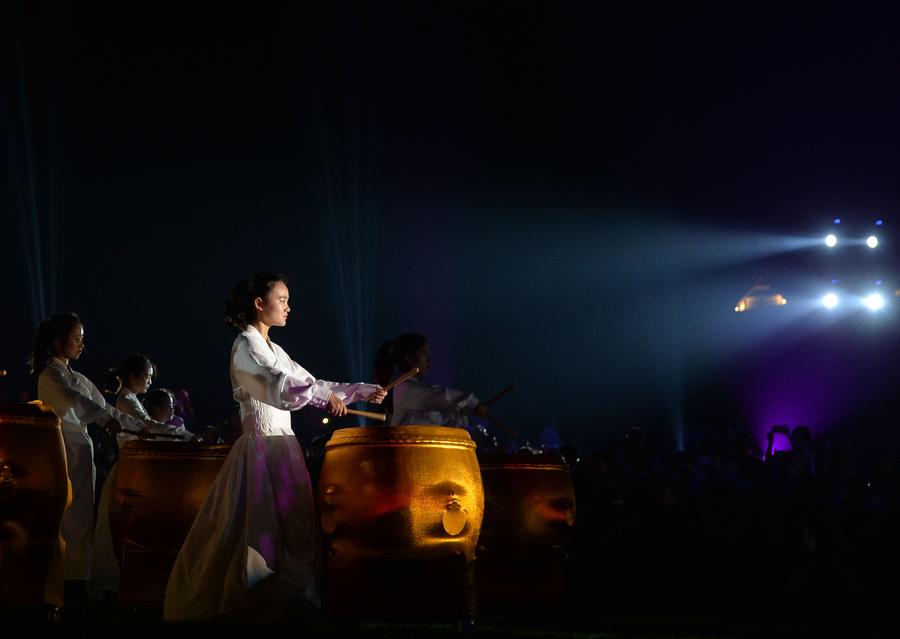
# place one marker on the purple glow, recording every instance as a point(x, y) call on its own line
point(286, 497)
point(780, 442)
point(816, 384)
point(267, 548)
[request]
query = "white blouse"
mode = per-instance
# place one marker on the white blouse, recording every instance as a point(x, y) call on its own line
point(417, 403)
point(268, 384)
point(77, 401)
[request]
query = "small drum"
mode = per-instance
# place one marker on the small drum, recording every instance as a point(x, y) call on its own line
point(158, 491)
point(401, 510)
point(34, 492)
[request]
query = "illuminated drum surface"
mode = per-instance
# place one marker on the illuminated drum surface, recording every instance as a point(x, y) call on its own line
point(34, 492)
point(159, 488)
point(396, 497)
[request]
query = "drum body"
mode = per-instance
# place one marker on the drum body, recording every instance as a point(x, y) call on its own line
point(526, 538)
point(159, 488)
point(401, 511)
point(34, 492)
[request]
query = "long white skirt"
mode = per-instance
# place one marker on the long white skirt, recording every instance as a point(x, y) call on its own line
point(77, 526)
point(253, 550)
point(104, 565)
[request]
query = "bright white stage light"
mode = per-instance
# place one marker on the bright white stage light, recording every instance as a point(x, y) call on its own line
point(831, 240)
point(874, 301)
point(830, 300)
point(871, 241)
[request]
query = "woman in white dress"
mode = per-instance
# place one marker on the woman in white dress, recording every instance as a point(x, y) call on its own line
point(253, 550)
point(131, 379)
point(77, 402)
point(414, 402)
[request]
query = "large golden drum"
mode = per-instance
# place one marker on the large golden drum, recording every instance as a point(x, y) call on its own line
point(159, 488)
point(527, 533)
point(34, 491)
point(401, 510)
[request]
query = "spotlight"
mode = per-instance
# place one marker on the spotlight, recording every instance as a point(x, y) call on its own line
point(879, 222)
point(837, 220)
point(324, 420)
point(830, 300)
point(871, 241)
point(874, 302)
point(831, 240)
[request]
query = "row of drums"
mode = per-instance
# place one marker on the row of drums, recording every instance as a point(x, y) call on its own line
point(404, 511)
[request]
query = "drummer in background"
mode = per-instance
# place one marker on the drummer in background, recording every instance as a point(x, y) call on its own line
point(77, 402)
point(160, 403)
point(414, 402)
point(131, 379)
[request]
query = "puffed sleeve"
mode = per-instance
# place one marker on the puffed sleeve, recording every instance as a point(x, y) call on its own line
point(347, 393)
point(418, 396)
point(255, 372)
point(88, 407)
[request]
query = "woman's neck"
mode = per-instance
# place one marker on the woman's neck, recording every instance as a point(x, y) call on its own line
point(262, 328)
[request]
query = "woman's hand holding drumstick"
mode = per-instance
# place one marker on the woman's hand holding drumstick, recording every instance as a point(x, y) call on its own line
point(337, 408)
point(377, 396)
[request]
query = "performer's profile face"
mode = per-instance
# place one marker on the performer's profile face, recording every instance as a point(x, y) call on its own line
point(73, 345)
point(141, 383)
point(273, 309)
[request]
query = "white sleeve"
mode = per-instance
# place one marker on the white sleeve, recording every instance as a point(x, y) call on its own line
point(417, 396)
point(256, 373)
point(87, 408)
point(347, 393)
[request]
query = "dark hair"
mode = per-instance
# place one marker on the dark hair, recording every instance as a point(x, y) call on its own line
point(158, 397)
point(134, 365)
point(396, 353)
point(239, 307)
point(56, 327)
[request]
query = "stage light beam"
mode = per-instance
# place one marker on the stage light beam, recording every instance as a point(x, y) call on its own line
point(831, 240)
point(871, 241)
point(830, 300)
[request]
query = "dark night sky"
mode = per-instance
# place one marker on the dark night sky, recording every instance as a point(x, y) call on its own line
point(562, 196)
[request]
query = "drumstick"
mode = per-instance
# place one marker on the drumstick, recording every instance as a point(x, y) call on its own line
point(499, 395)
point(151, 435)
point(402, 378)
point(363, 413)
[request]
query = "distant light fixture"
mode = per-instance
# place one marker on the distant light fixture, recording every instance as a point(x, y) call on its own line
point(874, 302)
point(324, 420)
point(830, 300)
point(871, 241)
point(878, 282)
point(879, 222)
point(834, 281)
point(837, 220)
point(831, 240)
point(760, 295)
